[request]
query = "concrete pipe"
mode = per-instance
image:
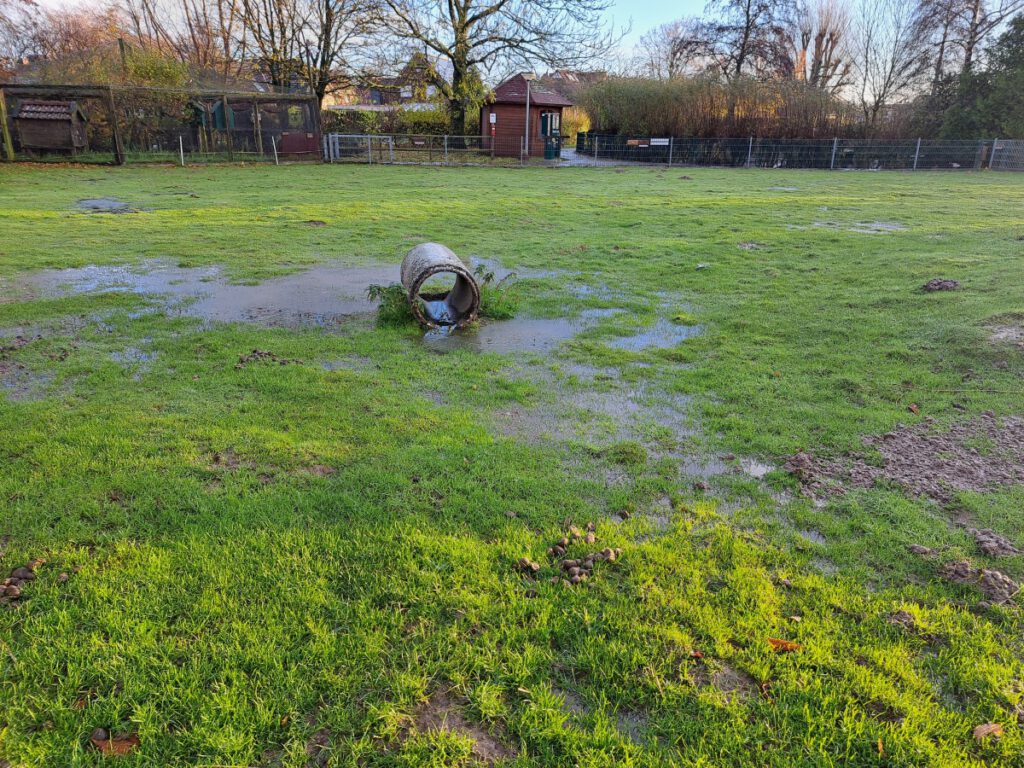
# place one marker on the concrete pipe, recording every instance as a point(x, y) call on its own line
point(454, 307)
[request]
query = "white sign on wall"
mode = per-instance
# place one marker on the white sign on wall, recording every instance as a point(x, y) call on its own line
point(494, 118)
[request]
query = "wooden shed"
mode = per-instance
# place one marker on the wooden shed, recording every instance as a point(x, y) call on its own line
point(503, 118)
point(51, 126)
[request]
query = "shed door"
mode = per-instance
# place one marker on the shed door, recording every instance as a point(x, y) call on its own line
point(550, 123)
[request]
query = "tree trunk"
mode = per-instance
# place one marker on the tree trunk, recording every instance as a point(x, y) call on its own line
point(972, 37)
point(457, 101)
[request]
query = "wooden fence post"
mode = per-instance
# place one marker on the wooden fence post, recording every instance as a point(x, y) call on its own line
point(5, 131)
point(115, 128)
point(227, 128)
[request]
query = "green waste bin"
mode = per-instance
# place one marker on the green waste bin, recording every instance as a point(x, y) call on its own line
point(552, 148)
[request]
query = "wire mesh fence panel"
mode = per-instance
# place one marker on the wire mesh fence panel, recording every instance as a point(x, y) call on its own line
point(414, 149)
point(832, 154)
point(1007, 155)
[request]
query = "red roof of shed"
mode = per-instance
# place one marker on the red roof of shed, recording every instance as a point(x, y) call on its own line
point(513, 91)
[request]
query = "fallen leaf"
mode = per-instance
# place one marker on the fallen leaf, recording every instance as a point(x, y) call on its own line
point(766, 692)
point(783, 646)
point(696, 655)
point(913, 408)
point(114, 745)
point(797, 619)
point(881, 749)
point(994, 730)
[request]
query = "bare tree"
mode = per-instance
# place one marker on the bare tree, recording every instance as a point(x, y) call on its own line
point(314, 42)
point(274, 30)
point(204, 34)
point(746, 37)
point(671, 50)
point(470, 35)
point(333, 39)
point(937, 22)
point(16, 22)
point(978, 21)
point(816, 41)
point(889, 55)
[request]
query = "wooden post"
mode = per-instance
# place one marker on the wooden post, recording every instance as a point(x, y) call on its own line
point(5, 131)
point(256, 127)
point(227, 129)
point(115, 128)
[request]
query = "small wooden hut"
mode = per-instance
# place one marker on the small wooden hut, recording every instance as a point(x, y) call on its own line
point(51, 126)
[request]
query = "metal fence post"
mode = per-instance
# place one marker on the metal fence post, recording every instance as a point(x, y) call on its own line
point(273, 143)
point(446, 149)
point(391, 149)
point(669, 151)
point(835, 146)
point(597, 148)
point(750, 151)
point(181, 150)
point(917, 153)
point(992, 157)
point(369, 149)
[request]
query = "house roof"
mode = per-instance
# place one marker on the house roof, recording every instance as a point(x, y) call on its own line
point(513, 91)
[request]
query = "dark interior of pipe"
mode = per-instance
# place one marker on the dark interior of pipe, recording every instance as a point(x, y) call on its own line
point(446, 304)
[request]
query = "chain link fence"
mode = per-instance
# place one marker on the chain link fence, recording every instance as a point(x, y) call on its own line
point(400, 149)
point(825, 154)
point(597, 150)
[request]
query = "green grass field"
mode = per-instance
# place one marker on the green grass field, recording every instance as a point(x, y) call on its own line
point(315, 564)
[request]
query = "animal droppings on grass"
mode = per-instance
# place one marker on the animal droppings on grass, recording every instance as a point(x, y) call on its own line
point(997, 587)
point(940, 284)
point(925, 462)
point(111, 745)
point(993, 544)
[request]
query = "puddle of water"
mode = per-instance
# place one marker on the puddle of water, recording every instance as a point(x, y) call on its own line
point(356, 363)
point(664, 334)
point(318, 296)
point(104, 205)
point(755, 468)
point(133, 356)
point(501, 272)
point(813, 536)
point(872, 227)
point(520, 334)
point(21, 385)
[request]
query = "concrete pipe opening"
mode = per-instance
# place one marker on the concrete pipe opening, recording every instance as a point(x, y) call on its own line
point(442, 291)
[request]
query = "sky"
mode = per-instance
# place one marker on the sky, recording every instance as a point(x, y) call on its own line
point(647, 14)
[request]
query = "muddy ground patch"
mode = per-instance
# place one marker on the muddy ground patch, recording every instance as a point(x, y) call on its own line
point(977, 455)
point(442, 713)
